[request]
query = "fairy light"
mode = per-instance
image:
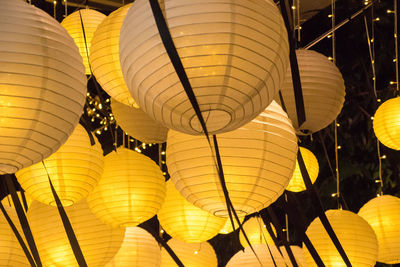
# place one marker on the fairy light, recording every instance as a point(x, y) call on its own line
point(55, 9)
point(396, 44)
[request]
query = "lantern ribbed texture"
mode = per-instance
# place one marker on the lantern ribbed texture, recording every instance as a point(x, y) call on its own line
point(42, 85)
point(248, 259)
point(256, 232)
point(75, 169)
point(355, 235)
point(386, 123)
point(235, 57)
point(139, 249)
point(258, 161)
point(138, 124)
point(323, 91)
point(383, 214)
point(131, 190)
point(184, 221)
point(190, 254)
point(228, 226)
point(99, 242)
point(104, 57)
point(296, 184)
point(73, 24)
point(298, 255)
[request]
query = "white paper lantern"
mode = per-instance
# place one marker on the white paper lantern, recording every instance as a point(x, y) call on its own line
point(42, 85)
point(235, 57)
point(138, 124)
point(298, 256)
point(386, 123)
point(248, 259)
point(256, 232)
point(258, 161)
point(323, 91)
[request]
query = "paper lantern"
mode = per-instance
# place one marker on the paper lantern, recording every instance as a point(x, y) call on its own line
point(184, 221)
point(83, 35)
point(138, 124)
point(131, 190)
point(296, 184)
point(256, 232)
point(42, 85)
point(387, 123)
point(98, 241)
point(139, 249)
point(323, 91)
point(258, 161)
point(355, 235)
point(298, 255)
point(248, 259)
point(190, 254)
point(228, 226)
point(383, 214)
point(75, 169)
point(235, 61)
point(8, 202)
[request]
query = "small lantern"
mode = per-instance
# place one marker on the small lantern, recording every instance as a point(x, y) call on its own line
point(387, 123)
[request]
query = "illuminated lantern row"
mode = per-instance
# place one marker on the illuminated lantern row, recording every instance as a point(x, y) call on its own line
point(228, 226)
point(75, 169)
point(247, 257)
point(42, 85)
point(235, 57)
point(256, 232)
point(387, 123)
point(258, 162)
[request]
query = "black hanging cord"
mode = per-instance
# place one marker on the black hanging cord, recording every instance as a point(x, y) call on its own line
point(84, 124)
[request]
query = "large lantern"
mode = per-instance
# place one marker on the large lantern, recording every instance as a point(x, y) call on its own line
point(235, 61)
point(256, 232)
point(42, 85)
point(387, 123)
point(247, 257)
point(297, 253)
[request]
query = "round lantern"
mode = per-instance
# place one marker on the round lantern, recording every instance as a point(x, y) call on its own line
point(256, 232)
point(228, 226)
point(296, 184)
point(386, 123)
point(8, 202)
point(184, 221)
point(139, 249)
point(247, 257)
point(98, 241)
point(298, 255)
point(383, 214)
point(190, 254)
point(323, 91)
point(83, 34)
point(355, 235)
point(131, 190)
point(258, 162)
point(42, 85)
point(75, 169)
point(235, 61)
point(138, 124)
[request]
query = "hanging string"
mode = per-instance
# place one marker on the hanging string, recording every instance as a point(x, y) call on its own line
point(287, 221)
point(65, 8)
point(396, 44)
point(55, 9)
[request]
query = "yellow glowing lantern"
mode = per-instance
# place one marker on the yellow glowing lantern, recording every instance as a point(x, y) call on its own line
point(75, 169)
point(8, 202)
point(99, 242)
point(42, 85)
point(81, 25)
point(355, 235)
point(387, 123)
point(298, 255)
point(131, 190)
point(247, 257)
point(383, 214)
point(228, 226)
point(258, 161)
point(235, 62)
point(256, 232)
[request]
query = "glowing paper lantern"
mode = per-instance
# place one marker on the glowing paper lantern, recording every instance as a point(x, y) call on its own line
point(138, 124)
point(258, 161)
point(75, 169)
point(184, 221)
point(235, 61)
point(355, 235)
point(383, 214)
point(256, 232)
point(387, 123)
point(323, 91)
point(139, 249)
point(83, 35)
point(190, 254)
point(42, 85)
point(247, 257)
point(296, 184)
point(8, 202)
point(98, 241)
point(131, 190)
point(228, 226)
point(298, 255)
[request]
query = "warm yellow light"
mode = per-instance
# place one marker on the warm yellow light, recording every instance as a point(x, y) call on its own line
point(247, 257)
point(228, 226)
point(298, 255)
point(386, 123)
point(8, 202)
point(256, 232)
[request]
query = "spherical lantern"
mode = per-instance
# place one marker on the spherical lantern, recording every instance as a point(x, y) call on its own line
point(228, 226)
point(258, 161)
point(355, 235)
point(247, 257)
point(83, 35)
point(383, 214)
point(386, 123)
point(323, 91)
point(42, 85)
point(297, 253)
point(75, 169)
point(190, 254)
point(138, 124)
point(235, 61)
point(98, 241)
point(139, 249)
point(296, 184)
point(184, 221)
point(131, 190)
point(256, 232)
